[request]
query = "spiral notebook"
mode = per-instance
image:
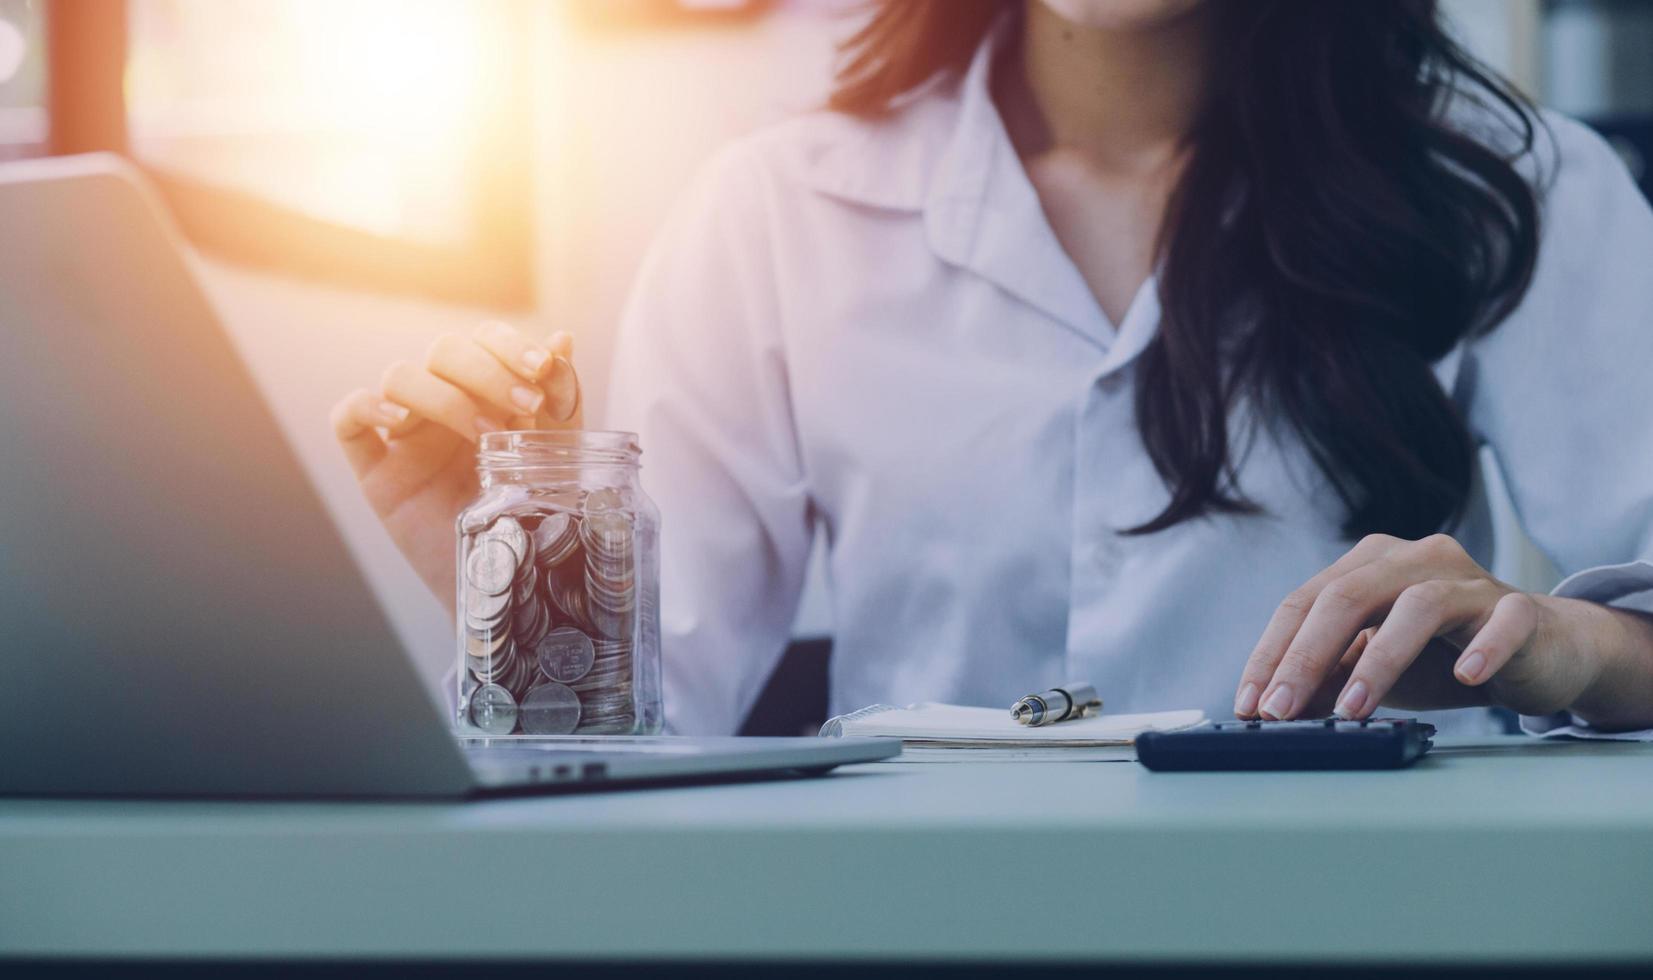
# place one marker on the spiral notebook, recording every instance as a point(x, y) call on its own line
point(933, 732)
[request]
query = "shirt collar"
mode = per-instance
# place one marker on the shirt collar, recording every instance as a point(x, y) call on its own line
point(983, 214)
point(945, 152)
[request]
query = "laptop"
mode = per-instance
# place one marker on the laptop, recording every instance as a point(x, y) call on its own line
point(178, 613)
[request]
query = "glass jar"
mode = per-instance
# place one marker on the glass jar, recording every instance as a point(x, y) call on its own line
point(558, 608)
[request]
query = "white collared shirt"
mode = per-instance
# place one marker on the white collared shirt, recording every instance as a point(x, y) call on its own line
point(868, 330)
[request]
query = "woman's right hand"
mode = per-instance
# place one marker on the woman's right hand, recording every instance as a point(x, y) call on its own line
point(412, 441)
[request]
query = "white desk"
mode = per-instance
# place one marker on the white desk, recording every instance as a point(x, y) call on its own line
point(1531, 854)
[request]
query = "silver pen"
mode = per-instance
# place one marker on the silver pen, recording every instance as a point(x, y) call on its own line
point(1072, 700)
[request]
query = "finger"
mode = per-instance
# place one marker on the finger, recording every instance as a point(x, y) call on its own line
point(523, 356)
point(356, 421)
point(410, 463)
point(1513, 621)
point(1320, 703)
point(1288, 618)
point(423, 393)
point(1420, 613)
point(464, 363)
point(1343, 608)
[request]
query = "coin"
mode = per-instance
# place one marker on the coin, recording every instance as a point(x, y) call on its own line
point(555, 539)
point(523, 675)
point(507, 530)
point(493, 710)
point(565, 654)
point(602, 501)
point(590, 692)
point(570, 600)
point(526, 616)
point(607, 538)
point(550, 709)
point(617, 725)
point(542, 625)
point(523, 588)
point(491, 565)
point(486, 609)
point(484, 616)
point(485, 644)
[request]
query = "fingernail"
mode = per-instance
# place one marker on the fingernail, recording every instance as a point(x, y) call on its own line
point(1470, 667)
point(526, 398)
point(1245, 703)
point(393, 413)
point(1278, 704)
point(1353, 701)
point(485, 425)
point(535, 360)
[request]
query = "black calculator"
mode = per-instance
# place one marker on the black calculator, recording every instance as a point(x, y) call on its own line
point(1376, 743)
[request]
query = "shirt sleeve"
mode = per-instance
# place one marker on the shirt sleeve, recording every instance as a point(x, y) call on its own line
point(1561, 389)
point(699, 372)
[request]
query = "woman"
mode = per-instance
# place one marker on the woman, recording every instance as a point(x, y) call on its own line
point(1113, 339)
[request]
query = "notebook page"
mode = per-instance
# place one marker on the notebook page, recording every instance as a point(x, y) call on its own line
point(932, 722)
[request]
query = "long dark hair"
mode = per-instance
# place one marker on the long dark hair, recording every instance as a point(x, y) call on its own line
point(1331, 236)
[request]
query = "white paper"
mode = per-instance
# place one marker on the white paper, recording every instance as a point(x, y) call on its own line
point(938, 725)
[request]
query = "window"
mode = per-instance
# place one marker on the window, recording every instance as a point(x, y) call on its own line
point(22, 79)
point(377, 143)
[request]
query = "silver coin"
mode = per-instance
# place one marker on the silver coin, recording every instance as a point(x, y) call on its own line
point(493, 710)
point(542, 625)
point(565, 654)
point(555, 539)
point(602, 501)
point(609, 594)
point(550, 709)
point(617, 721)
point(570, 601)
point(611, 624)
point(526, 615)
point(616, 725)
point(489, 671)
point(612, 671)
point(485, 643)
point(606, 678)
point(613, 688)
point(491, 565)
point(608, 536)
point(485, 607)
point(496, 666)
point(488, 628)
point(605, 704)
point(524, 674)
point(506, 529)
point(522, 589)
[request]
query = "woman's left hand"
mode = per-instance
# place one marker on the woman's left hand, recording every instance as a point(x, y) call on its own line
point(1419, 625)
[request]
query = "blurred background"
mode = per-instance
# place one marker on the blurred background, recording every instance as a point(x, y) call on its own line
point(358, 176)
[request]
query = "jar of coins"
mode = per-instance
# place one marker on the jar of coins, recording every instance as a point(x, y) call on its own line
point(558, 590)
